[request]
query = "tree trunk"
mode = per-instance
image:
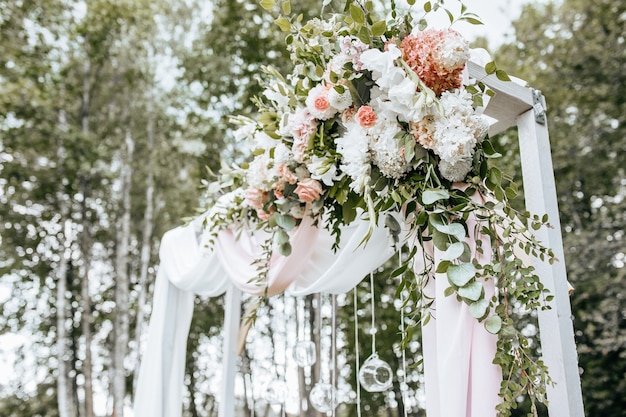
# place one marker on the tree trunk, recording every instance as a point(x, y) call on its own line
point(85, 247)
point(146, 245)
point(86, 318)
point(64, 390)
point(122, 282)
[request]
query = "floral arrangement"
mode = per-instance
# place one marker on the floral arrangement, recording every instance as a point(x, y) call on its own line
point(377, 118)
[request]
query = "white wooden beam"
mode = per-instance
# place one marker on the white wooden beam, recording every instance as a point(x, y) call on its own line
point(555, 325)
point(511, 99)
point(232, 317)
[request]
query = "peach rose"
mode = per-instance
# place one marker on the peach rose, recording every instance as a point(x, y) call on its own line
point(321, 103)
point(366, 116)
point(309, 190)
point(255, 197)
point(286, 174)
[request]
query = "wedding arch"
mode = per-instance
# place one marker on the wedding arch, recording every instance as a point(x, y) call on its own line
point(379, 122)
point(514, 104)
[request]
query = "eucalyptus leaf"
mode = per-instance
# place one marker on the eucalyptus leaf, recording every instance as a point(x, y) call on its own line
point(454, 251)
point(285, 221)
point(461, 274)
point(493, 324)
point(453, 229)
point(280, 237)
point(285, 249)
point(471, 291)
point(432, 196)
point(478, 309)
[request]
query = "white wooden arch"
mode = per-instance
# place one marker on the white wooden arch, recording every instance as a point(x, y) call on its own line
point(514, 104)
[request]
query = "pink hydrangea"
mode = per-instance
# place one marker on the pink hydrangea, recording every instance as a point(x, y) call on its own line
point(437, 57)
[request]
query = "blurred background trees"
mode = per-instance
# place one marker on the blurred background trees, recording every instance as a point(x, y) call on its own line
point(111, 109)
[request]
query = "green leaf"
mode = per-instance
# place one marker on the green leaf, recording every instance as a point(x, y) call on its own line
point(454, 251)
point(471, 291)
point(461, 274)
point(267, 4)
point(283, 23)
point(285, 221)
point(479, 309)
point(502, 75)
point(379, 28)
point(442, 267)
point(449, 291)
point(428, 7)
point(453, 229)
point(495, 175)
point(357, 14)
point(490, 67)
point(287, 7)
point(472, 20)
point(493, 324)
point(280, 237)
point(431, 196)
point(285, 249)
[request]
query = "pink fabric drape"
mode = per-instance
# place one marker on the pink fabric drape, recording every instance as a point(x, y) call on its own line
point(461, 380)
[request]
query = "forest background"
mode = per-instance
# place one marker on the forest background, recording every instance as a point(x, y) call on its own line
point(110, 110)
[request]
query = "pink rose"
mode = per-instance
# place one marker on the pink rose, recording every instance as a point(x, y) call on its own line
point(263, 215)
point(366, 116)
point(309, 190)
point(321, 103)
point(286, 174)
point(255, 197)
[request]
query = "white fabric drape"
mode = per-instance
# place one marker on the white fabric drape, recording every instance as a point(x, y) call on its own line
point(183, 273)
point(461, 381)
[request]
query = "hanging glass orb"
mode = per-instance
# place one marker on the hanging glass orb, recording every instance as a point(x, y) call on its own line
point(304, 353)
point(276, 391)
point(323, 397)
point(375, 374)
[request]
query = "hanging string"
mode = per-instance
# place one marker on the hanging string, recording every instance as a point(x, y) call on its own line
point(404, 386)
point(333, 346)
point(356, 347)
point(373, 329)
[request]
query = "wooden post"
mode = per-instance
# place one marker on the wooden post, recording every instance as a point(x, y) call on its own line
point(555, 325)
point(232, 316)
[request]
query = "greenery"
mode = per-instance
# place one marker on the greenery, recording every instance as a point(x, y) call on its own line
point(80, 77)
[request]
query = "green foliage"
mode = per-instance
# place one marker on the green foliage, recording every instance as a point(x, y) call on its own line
point(574, 53)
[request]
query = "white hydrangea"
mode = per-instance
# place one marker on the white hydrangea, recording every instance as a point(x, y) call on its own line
point(454, 52)
point(386, 154)
point(260, 173)
point(340, 101)
point(355, 157)
point(282, 154)
point(456, 171)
